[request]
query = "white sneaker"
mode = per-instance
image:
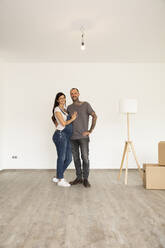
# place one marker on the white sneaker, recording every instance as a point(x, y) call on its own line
point(63, 183)
point(55, 180)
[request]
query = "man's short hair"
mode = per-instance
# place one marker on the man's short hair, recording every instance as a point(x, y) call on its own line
point(75, 89)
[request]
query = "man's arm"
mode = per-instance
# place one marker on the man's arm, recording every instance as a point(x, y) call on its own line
point(94, 119)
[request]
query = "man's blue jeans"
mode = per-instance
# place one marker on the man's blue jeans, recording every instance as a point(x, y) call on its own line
point(64, 153)
point(83, 146)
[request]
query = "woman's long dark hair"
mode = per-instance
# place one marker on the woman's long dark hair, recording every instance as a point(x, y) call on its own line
point(56, 102)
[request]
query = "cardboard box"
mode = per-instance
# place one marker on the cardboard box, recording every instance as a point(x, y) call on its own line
point(161, 152)
point(153, 176)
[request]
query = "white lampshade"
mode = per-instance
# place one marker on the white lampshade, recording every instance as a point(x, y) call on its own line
point(128, 106)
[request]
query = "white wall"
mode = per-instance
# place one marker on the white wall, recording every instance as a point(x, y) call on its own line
point(1, 113)
point(29, 91)
point(162, 87)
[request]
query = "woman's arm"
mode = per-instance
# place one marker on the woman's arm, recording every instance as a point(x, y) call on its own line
point(54, 120)
point(61, 119)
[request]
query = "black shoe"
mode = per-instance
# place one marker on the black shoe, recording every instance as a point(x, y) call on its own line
point(86, 183)
point(76, 181)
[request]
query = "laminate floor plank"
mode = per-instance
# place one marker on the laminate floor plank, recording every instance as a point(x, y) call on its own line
point(36, 213)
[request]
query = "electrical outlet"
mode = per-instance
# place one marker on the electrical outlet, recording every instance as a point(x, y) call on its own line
point(14, 157)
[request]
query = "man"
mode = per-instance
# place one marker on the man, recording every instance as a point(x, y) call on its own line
point(80, 137)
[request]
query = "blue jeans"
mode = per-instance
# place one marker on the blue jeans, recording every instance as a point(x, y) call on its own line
point(83, 146)
point(64, 153)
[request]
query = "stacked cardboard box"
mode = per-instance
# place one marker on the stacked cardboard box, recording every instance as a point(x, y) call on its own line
point(161, 153)
point(154, 174)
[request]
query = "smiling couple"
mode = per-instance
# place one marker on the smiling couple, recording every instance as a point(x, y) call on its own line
point(72, 137)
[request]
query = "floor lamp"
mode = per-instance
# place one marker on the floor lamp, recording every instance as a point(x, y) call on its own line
point(128, 106)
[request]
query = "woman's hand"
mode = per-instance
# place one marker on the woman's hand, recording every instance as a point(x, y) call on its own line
point(74, 116)
point(61, 119)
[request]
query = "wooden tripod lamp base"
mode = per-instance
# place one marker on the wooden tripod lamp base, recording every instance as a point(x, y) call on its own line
point(128, 106)
point(128, 147)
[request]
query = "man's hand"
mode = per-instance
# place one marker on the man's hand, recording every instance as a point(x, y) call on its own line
point(87, 133)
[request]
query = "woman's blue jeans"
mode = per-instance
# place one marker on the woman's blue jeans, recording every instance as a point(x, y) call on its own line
point(64, 153)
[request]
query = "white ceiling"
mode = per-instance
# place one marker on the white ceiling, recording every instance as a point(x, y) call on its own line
point(115, 30)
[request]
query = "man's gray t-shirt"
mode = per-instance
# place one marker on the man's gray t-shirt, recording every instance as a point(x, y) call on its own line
point(80, 125)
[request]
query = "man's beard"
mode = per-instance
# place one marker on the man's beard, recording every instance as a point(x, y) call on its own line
point(75, 99)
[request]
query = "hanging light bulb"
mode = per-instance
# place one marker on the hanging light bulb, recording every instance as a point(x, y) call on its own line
point(82, 39)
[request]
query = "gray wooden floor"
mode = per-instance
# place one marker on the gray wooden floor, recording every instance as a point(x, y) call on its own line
point(35, 213)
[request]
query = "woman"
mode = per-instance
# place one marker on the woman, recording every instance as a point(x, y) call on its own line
point(61, 137)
